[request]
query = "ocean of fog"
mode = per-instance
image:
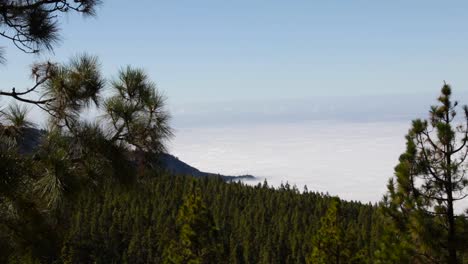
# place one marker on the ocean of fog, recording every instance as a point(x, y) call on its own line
point(351, 159)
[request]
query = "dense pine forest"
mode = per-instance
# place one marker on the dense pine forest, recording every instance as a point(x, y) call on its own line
point(179, 219)
point(81, 191)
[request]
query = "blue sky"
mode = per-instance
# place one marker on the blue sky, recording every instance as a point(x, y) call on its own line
point(256, 51)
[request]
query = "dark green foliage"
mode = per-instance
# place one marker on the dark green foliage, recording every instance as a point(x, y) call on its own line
point(15, 116)
point(136, 113)
point(40, 185)
point(70, 88)
point(336, 240)
point(34, 25)
point(197, 234)
point(422, 225)
point(176, 219)
point(22, 225)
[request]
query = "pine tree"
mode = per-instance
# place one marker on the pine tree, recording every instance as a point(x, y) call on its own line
point(328, 243)
point(197, 241)
point(33, 25)
point(429, 179)
point(136, 114)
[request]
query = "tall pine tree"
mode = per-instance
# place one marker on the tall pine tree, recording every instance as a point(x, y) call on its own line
point(429, 180)
point(197, 238)
point(330, 244)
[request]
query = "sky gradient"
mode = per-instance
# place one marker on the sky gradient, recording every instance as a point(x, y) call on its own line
point(218, 51)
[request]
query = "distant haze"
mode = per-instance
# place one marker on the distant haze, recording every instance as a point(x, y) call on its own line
point(377, 108)
point(347, 146)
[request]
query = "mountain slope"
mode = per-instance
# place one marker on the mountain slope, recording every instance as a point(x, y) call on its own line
point(176, 166)
point(32, 138)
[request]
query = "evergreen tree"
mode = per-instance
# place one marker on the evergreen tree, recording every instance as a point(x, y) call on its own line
point(136, 114)
point(328, 244)
point(33, 25)
point(429, 179)
point(197, 241)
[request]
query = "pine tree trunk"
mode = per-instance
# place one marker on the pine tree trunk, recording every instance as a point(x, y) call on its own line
point(337, 257)
point(452, 251)
point(452, 258)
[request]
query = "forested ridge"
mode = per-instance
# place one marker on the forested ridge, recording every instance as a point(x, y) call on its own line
point(251, 224)
point(242, 224)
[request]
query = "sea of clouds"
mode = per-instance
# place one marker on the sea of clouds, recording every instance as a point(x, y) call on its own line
point(351, 159)
point(346, 146)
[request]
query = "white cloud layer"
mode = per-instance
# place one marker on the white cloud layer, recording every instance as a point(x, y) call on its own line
point(351, 159)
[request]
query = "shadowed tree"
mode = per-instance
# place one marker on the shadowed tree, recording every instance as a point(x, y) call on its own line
point(71, 88)
point(136, 114)
point(21, 223)
point(17, 127)
point(13, 121)
point(429, 179)
point(75, 152)
point(33, 25)
point(16, 116)
point(64, 89)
